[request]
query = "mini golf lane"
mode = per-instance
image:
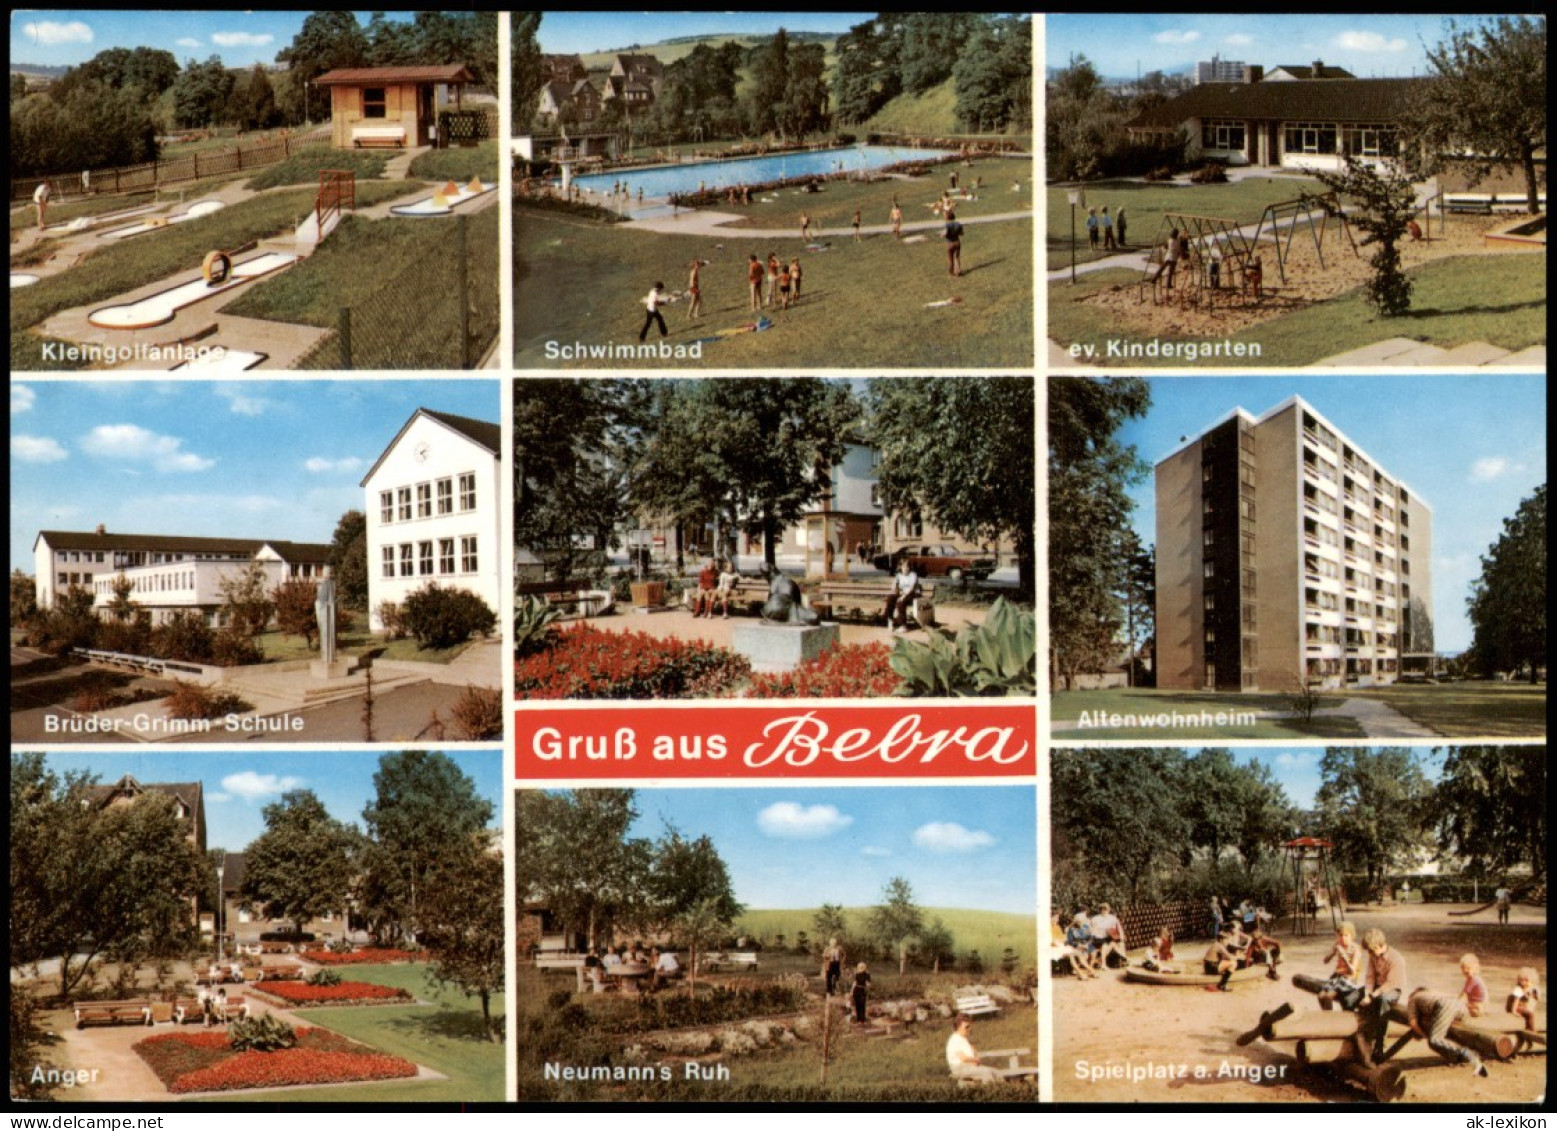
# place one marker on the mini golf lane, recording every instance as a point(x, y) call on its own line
point(441, 203)
point(22, 279)
point(154, 310)
point(193, 212)
point(222, 360)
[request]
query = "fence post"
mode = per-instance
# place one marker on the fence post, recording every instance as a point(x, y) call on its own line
point(343, 332)
point(463, 288)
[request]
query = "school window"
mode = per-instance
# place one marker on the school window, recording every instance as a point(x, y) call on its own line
point(424, 559)
point(445, 496)
point(386, 507)
point(468, 491)
point(446, 555)
point(1370, 139)
point(468, 554)
point(1221, 134)
point(424, 500)
point(389, 561)
point(407, 561)
point(375, 102)
point(403, 497)
point(1311, 137)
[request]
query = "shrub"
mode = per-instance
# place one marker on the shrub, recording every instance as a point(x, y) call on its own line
point(1211, 173)
point(324, 978)
point(265, 1033)
point(393, 620)
point(286, 936)
point(132, 637)
point(535, 619)
point(191, 701)
point(587, 663)
point(1160, 173)
point(478, 714)
point(994, 658)
point(229, 650)
point(442, 618)
point(185, 637)
point(852, 671)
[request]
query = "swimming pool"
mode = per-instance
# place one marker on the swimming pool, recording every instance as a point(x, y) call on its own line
point(754, 170)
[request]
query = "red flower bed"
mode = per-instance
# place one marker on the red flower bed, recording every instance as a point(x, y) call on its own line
point(205, 1062)
point(364, 956)
point(586, 663)
point(852, 671)
point(301, 993)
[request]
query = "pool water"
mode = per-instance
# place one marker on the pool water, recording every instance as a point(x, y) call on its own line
point(755, 170)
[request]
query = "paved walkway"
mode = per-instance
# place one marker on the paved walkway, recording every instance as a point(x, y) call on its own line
point(1409, 351)
point(1379, 720)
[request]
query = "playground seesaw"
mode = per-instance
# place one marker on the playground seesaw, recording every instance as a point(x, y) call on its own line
point(445, 200)
point(219, 274)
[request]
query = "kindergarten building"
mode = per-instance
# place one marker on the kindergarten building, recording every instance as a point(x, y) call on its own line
point(1286, 555)
point(432, 510)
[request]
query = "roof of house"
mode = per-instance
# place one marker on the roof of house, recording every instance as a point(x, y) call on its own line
point(368, 76)
point(1306, 71)
point(187, 792)
point(646, 61)
point(1330, 100)
point(90, 540)
point(235, 868)
point(480, 432)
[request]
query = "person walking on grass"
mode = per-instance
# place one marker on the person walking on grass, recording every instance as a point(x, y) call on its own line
point(805, 227)
point(860, 992)
point(953, 245)
point(652, 302)
point(897, 221)
point(856, 223)
point(695, 290)
point(754, 276)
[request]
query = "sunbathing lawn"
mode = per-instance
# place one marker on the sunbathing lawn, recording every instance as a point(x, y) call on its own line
point(1470, 710)
point(444, 1036)
point(1144, 204)
point(1066, 706)
point(862, 304)
point(1449, 307)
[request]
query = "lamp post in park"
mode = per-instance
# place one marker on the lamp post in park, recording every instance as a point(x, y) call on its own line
point(1078, 198)
point(221, 866)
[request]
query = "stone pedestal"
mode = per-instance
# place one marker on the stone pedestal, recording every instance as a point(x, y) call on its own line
point(329, 669)
point(782, 647)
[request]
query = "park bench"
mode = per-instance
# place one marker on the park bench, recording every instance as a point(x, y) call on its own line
point(748, 596)
point(558, 960)
point(378, 135)
point(717, 958)
point(112, 1012)
point(234, 1007)
point(866, 600)
point(977, 1005)
point(274, 974)
point(276, 948)
point(1481, 206)
point(187, 1010)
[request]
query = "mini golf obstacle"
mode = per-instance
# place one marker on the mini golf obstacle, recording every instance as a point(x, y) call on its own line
point(445, 200)
point(193, 212)
point(81, 223)
point(228, 361)
point(22, 279)
point(218, 274)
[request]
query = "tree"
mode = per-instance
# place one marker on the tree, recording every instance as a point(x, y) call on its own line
point(931, 44)
point(1485, 105)
point(1089, 532)
point(830, 923)
point(463, 926)
point(993, 77)
point(24, 598)
point(573, 858)
point(1372, 804)
point(349, 560)
point(769, 83)
point(1138, 595)
point(301, 866)
point(865, 77)
point(937, 945)
point(202, 95)
point(525, 73)
point(959, 452)
point(1116, 818)
point(327, 40)
point(897, 921)
point(121, 608)
point(1508, 601)
point(1380, 203)
point(246, 599)
point(293, 601)
point(690, 894)
point(1491, 804)
point(255, 103)
point(425, 809)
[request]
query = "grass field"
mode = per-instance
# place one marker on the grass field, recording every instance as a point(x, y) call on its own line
point(1144, 205)
point(1470, 710)
point(445, 1036)
point(862, 304)
point(988, 932)
point(304, 168)
point(458, 164)
point(1067, 707)
point(127, 264)
point(1499, 299)
point(63, 213)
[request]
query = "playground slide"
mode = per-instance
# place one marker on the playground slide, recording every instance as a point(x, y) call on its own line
point(193, 212)
point(154, 310)
point(444, 201)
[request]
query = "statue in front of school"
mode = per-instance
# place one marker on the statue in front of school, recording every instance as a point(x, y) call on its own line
point(784, 605)
point(324, 613)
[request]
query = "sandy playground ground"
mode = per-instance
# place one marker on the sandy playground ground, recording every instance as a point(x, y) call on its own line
point(1179, 1040)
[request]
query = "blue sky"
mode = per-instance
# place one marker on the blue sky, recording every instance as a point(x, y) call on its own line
point(1369, 45)
point(1297, 768)
point(237, 459)
point(966, 847)
point(65, 37)
point(1472, 447)
point(583, 32)
point(239, 786)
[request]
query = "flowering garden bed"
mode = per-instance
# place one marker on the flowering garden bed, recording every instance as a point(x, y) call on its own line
point(586, 663)
point(371, 954)
point(206, 1062)
point(344, 993)
point(851, 671)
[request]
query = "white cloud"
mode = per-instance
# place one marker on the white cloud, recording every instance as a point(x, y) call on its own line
point(1488, 469)
point(188, 41)
point(252, 786)
point(1370, 41)
point(241, 403)
point(792, 821)
point(949, 836)
point(1238, 39)
point(22, 399)
point(47, 33)
point(875, 850)
point(1176, 37)
point(134, 444)
point(36, 449)
point(318, 464)
point(241, 39)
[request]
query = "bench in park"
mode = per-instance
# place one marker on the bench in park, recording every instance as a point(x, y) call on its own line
point(112, 1013)
point(558, 960)
point(748, 596)
point(717, 958)
point(187, 1010)
point(867, 600)
point(1476, 205)
point(378, 135)
point(977, 1005)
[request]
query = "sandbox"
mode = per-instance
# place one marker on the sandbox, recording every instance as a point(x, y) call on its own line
point(154, 310)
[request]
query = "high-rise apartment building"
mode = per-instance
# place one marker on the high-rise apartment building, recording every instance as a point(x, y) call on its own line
point(1285, 554)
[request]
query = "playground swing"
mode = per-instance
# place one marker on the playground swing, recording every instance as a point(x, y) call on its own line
point(1292, 213)
point(1300, 853)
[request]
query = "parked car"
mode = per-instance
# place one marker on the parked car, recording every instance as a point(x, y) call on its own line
point(938, 561)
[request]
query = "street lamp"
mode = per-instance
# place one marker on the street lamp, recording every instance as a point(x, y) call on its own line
point(1078, 198)
point(221, 898)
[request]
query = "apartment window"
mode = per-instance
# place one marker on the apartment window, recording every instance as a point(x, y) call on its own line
point(424, 500)
point(468, 491)
point(64, 579)
point(1210, 602)
point(1205, 473)
point(468, 554)
point(1207, 538)
point(403, 497)
point(445, 496)
point(1246, 509)
point(1210, 569)
point(407, 560)
point(446, 555)
point(375, 102)
point(424, 559)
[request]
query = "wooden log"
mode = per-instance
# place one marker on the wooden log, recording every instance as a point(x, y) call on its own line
point(1309, 982)
point(1385, 1082)
point(1483, 1042)
point(1314, 1025)
point(1312, 1052)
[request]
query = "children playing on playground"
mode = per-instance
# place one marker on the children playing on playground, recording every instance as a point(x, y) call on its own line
point(1473, 995)
point(1430, 1015)
point(1072, 945)
point(1382, 989)
point(1220, 960)
point(1264, 951)
point(1159, 953)
point(1525, 996)
point(1344, 987)
point(652, 302)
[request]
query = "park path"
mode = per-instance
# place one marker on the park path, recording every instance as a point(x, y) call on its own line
point(702, 223)
point(1379, 720)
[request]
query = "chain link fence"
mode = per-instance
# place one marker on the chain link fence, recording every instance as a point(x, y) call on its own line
point(440, 313)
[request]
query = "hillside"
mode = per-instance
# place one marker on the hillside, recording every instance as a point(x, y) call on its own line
point(932, 113)
point(668, 51)
point(988, 932)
